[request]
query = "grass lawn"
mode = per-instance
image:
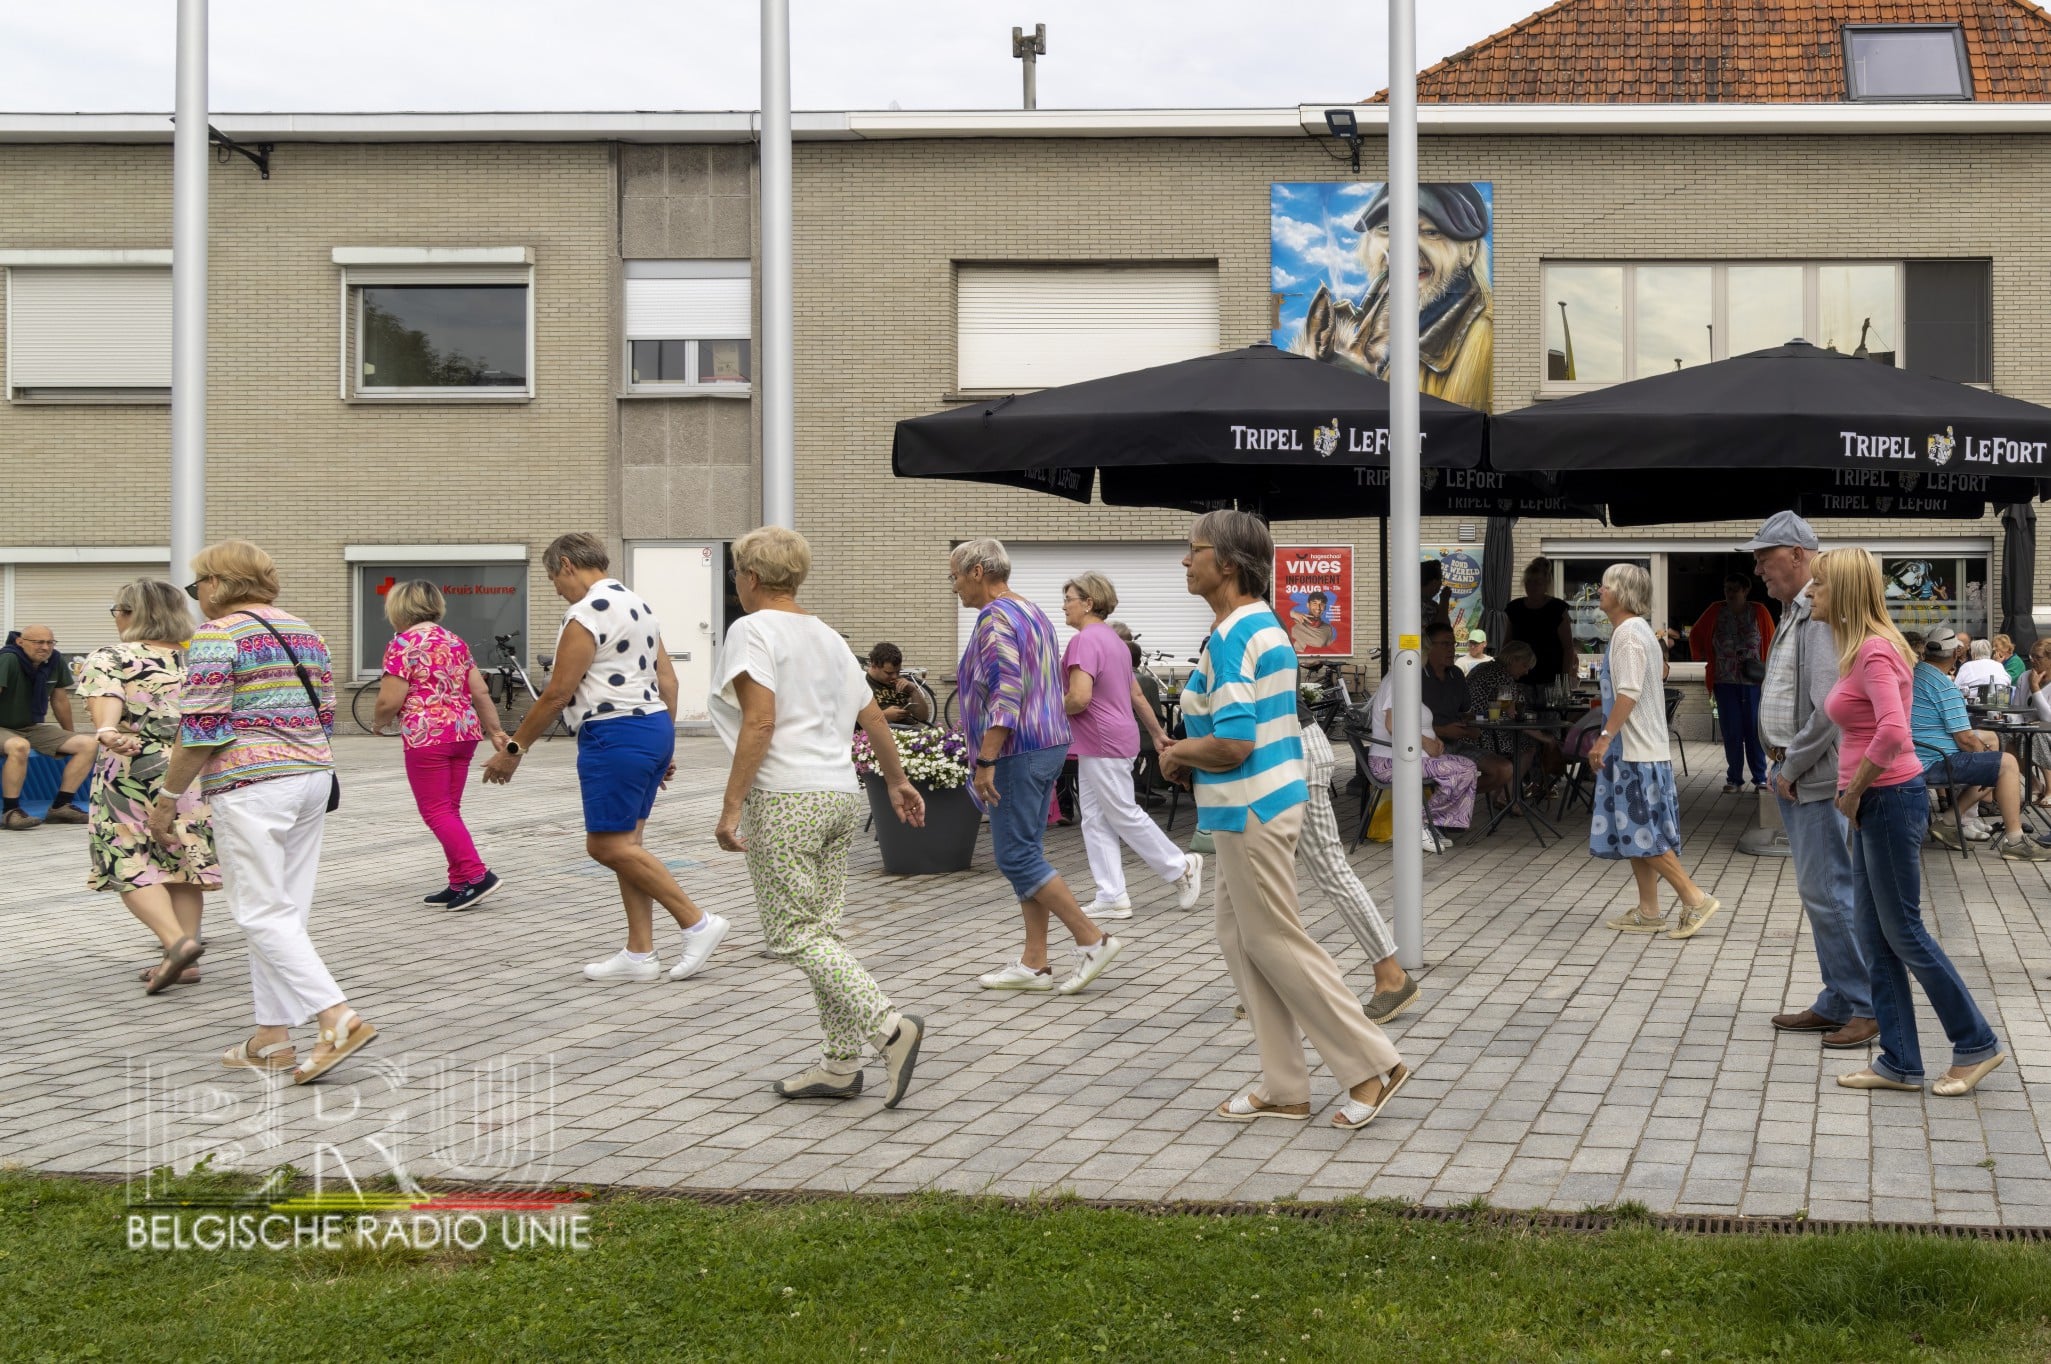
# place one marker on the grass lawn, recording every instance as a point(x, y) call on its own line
point(960, 1280)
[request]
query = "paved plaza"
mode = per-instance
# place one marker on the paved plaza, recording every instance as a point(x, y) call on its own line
point(1558, 1064)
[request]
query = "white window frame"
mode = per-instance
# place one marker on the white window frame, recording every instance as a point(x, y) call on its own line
point(354, 556)
point(451, 266)
point(1719, 308)
point(691, 386)
point(129, 258)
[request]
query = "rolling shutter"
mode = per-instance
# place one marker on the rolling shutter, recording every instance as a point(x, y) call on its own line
point(92, 327)
point(72, 599)
point(687, 309)
point(1153, 599)
point(1024, 328)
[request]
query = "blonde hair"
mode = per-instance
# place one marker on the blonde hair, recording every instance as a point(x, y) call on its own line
point(414, 601)
point(779, 557)
point(243, 572)
point(1095, 589)
point(1633, 586)
point(1858, 605)
point(2002, 645)
point(156, 610)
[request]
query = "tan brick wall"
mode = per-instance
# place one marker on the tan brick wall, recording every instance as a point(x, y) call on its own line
point(879, 225)
point(290, 465)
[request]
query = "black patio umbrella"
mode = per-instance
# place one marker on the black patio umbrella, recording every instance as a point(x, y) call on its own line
point(1793, 426)
point(1270, 431)
point(2018, 570)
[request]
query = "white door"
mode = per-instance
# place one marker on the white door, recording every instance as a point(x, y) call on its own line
point(682, 583)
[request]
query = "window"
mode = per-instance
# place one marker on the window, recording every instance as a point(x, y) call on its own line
point(1906, 62)
point(437, 324)
point(95, 329)
point(1024, 327)
point(689, 325)
point(485, 587)
point(1606, 323)
point(1580, 584)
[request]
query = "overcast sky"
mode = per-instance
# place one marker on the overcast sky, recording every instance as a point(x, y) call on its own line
point(111, 55)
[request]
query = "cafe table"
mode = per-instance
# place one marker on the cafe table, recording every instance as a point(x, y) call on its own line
point(1524, 732)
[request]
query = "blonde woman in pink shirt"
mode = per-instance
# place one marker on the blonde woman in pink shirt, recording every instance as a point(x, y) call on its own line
point(1881, 794)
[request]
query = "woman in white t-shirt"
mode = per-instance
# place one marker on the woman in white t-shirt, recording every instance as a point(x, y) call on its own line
point(787, 695)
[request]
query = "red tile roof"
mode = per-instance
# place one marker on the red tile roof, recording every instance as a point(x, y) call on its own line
point(1725, 51)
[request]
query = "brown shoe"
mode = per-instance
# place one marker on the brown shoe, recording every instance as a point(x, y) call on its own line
point(65, 814)
point(1808, 1020)
point(18, 821)
point(1856, 1033)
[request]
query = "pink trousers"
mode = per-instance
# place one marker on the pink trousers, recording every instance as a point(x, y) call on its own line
point(437, 773)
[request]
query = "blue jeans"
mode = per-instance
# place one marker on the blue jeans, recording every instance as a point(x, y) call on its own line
point(1823, 877)
point(1018, 822)
point(1887, 883)
point(1737, 714)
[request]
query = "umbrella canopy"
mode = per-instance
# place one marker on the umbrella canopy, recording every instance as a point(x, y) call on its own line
point(1830, 434)
point(1497, 551)
point(1274, 432)
point(2018, 568)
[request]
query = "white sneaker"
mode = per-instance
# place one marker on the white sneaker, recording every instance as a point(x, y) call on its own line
point(1432, 845)
point(1189, 887)
point(1090, 963)
point(698, 946)
point(1120, 908)
point(622, 966)
point(1017, 976)
point(1978, 830)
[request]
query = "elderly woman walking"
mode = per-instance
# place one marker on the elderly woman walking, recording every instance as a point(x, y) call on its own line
point(438, 695)
point(1881, 793)
point(255, 712)
point(1105, 710)
point(784, 699)
point(614, 684)
point(1009, 682)
point(1244, 752)
point(131, 689)
point(1637, 809)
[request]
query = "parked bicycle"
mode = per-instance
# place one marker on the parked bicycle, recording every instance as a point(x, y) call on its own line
point(511, 688)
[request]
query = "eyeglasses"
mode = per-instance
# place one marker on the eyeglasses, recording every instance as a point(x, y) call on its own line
point(192, 588)
point(1196, 549)
point(117, 610)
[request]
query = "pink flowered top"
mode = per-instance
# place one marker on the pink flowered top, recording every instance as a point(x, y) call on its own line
point(435, 666)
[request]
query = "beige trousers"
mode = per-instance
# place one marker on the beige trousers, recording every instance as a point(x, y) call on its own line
point(1290, 986)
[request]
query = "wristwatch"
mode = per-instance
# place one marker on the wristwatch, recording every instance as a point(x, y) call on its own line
point(513, 747)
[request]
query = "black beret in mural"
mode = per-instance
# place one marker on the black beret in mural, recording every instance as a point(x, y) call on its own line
point(1457, 210)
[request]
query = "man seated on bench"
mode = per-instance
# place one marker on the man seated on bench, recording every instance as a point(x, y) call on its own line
point(1954, 754)
point(35, 684)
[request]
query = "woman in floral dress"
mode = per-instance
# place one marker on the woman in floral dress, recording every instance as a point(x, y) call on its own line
point(132, 691)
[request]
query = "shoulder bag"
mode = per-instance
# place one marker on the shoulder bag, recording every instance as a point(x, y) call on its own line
point(312, 696)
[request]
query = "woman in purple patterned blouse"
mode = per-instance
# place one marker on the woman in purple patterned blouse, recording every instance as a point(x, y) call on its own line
point(1011, 703)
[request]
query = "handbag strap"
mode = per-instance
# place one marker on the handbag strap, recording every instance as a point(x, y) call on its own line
point(312, 696)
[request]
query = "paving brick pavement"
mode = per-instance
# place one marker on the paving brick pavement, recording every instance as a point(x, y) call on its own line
point(1558, 1064)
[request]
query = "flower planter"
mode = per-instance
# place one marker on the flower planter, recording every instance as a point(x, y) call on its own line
point(947, 842)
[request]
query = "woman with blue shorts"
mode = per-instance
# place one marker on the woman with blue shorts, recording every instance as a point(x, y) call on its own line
point(614, 684)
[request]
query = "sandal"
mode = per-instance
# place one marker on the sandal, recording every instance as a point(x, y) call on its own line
point(353, 1035)
point(189, 976)
point(177, 957)
point(1249, 1106)
point(1354, 1115)
point(277, 1056)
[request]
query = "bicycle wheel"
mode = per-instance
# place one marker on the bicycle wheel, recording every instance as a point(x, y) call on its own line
point(363, 707)
point(932, 702)
point(508, 699)
point(952, 713)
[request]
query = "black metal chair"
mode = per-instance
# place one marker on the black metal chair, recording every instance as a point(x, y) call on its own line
point(1673, 708)
point(1952, 791)
point(1376, 789)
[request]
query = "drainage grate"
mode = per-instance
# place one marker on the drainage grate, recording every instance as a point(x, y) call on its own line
point(1593, 1220)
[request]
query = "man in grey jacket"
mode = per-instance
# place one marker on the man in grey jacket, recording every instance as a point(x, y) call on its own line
point(1801, 744)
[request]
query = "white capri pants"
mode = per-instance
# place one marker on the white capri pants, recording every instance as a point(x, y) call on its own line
point(267, 836)
point(1110, 816)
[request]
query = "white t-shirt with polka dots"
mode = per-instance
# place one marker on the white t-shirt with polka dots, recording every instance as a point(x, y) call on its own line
point(621, 678)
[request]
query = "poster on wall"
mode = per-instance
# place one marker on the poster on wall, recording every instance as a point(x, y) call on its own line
point(1314, 594)
point(1460, 567)
point(1924, 593)
point(1328, 252)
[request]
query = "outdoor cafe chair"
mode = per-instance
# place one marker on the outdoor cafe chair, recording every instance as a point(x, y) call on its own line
point(1376, 789)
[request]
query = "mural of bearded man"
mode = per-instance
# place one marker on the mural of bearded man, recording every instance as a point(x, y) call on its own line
point(1456, 317)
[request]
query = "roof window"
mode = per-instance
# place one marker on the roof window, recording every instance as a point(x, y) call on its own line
point(1906, 63)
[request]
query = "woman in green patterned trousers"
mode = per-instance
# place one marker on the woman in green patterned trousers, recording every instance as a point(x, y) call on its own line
point(786, 699)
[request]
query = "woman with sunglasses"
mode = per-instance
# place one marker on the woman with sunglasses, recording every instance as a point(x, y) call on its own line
point(131, 690)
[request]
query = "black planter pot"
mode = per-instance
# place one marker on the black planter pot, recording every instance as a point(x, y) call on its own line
point(947, 842)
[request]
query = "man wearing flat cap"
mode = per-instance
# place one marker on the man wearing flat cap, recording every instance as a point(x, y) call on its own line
point(1801, 744)
point(1455, 320)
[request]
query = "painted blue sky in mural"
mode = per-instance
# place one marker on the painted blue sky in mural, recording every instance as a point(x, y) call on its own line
point(1311, 241)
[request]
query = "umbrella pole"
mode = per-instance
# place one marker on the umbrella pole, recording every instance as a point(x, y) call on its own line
point(1407, 789)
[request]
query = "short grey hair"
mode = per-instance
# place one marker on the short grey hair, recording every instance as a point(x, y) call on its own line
point(986, 554)
point(1981, 649)
point(578, 549)
point(1242, 543)
point(1633, 586)
point(1517, 652)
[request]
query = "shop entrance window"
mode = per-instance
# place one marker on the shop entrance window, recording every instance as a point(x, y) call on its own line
point(1694, 583)
point(484, 600)
point(1924, 592)
point(1580, 584)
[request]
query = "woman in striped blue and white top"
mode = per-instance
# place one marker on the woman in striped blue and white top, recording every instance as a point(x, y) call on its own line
point(1244, 752)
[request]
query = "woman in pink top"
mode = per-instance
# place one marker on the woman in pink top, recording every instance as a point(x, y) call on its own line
point(1881, 794)
point(1105, 708)
point(443, 707)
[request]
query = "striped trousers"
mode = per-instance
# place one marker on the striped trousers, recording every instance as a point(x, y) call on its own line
point(1322, 852)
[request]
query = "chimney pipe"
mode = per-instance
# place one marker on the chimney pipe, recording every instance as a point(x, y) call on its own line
point(1029, 51)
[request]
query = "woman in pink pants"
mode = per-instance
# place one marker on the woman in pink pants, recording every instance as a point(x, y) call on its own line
point(443, 707)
